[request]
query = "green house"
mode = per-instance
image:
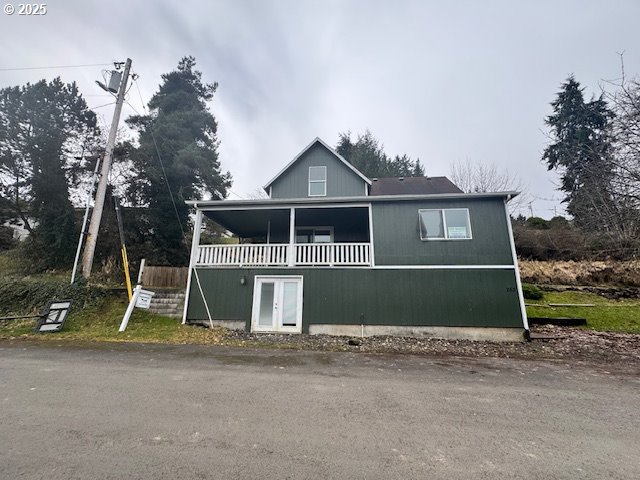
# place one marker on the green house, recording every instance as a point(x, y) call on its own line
point(334, 252)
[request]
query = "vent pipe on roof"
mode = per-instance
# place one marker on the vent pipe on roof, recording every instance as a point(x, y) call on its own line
point(374, 179)
point(400, 179)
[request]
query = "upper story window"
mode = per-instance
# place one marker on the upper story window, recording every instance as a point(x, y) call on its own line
point(317, 181)
point(445, 224)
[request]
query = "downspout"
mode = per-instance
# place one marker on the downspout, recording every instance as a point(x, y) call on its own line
point(514, 256)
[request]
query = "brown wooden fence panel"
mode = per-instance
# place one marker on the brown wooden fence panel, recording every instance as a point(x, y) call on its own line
point(165, 276)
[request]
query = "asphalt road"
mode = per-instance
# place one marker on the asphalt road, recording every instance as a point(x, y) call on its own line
point(184, 412)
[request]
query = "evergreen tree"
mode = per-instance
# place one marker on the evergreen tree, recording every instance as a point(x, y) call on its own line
point(180, 134)
point(43, 126)
point(368, 156)
point(582, 151)
point(418, 169)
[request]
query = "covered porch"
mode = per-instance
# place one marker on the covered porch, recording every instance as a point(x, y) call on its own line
point(290, 237)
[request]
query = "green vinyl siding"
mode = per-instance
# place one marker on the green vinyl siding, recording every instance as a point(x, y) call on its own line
point(341, 180)
point(396, 234)
point(405, 297)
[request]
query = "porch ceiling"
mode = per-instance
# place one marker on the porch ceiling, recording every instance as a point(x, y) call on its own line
point(255, 223)
point(251, 223)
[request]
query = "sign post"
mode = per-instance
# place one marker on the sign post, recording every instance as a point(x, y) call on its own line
point(141, 299)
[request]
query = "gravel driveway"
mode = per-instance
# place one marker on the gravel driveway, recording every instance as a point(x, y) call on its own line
point(615, 350)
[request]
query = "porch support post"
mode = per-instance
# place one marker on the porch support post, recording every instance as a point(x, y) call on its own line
point(514, 256)
point(292, 237)
point(195, 243)
point(372, 253)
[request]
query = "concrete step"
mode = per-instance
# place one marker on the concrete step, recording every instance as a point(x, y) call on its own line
point(167, 306)
point(172, 296)
point(168, 303)
point(168, 313)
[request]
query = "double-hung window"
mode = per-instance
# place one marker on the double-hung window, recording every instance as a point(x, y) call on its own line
point(445, 224)
point(317, 181)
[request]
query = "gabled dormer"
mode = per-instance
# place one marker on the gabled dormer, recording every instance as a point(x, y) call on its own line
point(318, 171)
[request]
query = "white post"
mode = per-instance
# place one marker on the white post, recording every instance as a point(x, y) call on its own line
point(195, 244)
point(514, 255)
point(371, 252)
point(292, 237)
point(84, 220)
point(140, 271)
point(132, 304)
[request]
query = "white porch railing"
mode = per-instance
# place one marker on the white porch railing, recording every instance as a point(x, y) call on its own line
point(353, 254)
point(267, 255)
point(243, 255)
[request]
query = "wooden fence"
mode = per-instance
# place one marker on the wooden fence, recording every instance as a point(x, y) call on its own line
point(164, 276)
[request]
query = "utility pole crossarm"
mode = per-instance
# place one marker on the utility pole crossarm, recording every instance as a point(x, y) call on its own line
point(96, 215)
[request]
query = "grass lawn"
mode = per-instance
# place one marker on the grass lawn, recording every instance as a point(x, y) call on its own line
point(101, 323)
point(607, 315)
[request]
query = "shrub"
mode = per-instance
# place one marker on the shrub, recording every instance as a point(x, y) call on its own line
point(7, 241)
point(24, 296)
point(537, 223)
point(531, 292)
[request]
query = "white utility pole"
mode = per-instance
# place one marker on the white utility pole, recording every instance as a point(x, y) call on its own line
point(84, 220)
point(96, 215)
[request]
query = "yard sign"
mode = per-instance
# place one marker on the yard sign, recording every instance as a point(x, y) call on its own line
point(141, 299)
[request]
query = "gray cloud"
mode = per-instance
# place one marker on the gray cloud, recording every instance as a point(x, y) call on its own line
point(442, 81)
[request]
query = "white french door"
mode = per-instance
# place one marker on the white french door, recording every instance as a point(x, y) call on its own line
point(277, 304)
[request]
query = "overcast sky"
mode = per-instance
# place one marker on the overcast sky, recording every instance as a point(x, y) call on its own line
point(442, 81)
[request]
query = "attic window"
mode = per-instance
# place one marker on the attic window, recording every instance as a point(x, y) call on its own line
point(445, 224)
point(317, 181)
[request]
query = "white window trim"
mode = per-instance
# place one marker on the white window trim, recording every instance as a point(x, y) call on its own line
point(314, 228)
point(444, 224)
point(318, 181)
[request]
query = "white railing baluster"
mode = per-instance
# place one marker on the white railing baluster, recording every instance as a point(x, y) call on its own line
point(320, 254)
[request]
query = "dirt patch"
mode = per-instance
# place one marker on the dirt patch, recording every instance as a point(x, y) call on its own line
point(615, 273)
point(618, 350)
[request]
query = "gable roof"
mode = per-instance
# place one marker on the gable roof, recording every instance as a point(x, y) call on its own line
point(413, 186)
point(321, 142)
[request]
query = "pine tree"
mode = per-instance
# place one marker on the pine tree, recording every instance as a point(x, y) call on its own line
point(418, 169)
point(178, 150)
point(368, 156)
point(42, 127)
point(582, 152)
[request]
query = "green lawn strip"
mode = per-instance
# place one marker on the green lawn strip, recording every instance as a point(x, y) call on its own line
point(101, 323)
point(606, 315)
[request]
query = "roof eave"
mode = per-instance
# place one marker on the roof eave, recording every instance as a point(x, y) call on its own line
point(361, 199)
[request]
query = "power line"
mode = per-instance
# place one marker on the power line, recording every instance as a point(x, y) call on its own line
point(144, 107)
point(132, 107)
point(100, 106)
point(13, 69)
point(234, 193)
